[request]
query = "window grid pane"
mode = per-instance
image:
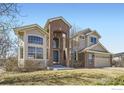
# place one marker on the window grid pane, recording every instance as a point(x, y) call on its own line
point(93, 40)
point(35, 40)
point(31, 52)
point(36, 53)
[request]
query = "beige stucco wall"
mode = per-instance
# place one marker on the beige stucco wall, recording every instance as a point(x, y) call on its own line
point(82, 43)
point(35, 32)
point(99, 48)
point(21, 44)
point(74, 44)
point(102, 60)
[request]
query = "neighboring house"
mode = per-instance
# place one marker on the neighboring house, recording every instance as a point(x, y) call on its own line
point(52, 44)
point(87, 50)
point(118, 59)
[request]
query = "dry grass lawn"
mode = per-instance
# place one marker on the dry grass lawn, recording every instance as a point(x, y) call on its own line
point(106, 76)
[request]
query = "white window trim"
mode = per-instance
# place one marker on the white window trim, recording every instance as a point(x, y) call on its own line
point(35, 53)
point(93, 37)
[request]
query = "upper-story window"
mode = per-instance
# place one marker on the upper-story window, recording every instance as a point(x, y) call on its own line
point(93, 40)
point(35, 40)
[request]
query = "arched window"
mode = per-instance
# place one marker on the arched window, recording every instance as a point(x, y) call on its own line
point(35, 40)
point(55, 43)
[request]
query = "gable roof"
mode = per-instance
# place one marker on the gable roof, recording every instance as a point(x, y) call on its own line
point(58, 18)
point(95, 33)
point(94, 46)
point(84, 32)
point(29, 26)
point(118, 54)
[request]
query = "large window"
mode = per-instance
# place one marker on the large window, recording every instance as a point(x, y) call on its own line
point(35, 40)
point(35, 53)
point(31, 52)
point(93, 40)
point(39, 53)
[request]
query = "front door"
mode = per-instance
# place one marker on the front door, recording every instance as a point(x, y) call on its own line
point(55, 56)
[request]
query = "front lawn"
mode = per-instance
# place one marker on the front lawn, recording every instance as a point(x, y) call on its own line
point(105, 76)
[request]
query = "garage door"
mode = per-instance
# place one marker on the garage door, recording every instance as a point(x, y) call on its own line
point(102, 61)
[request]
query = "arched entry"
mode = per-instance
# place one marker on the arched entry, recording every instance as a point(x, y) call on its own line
point(55, 56)
point(55, 50)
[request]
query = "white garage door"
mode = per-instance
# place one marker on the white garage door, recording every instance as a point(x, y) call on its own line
point(101, 61)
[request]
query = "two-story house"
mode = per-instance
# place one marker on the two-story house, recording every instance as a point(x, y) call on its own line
point(88, 51)
point(51, 45)
point(44, 47)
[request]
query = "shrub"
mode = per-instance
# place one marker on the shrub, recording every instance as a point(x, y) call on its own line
point(34, 65)
point(2, 61)
point(76, 64)
point(11, 64)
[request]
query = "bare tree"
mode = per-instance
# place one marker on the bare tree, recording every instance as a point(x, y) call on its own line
point(74, 31)
point(8, 20)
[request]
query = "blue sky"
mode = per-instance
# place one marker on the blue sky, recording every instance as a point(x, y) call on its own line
point(106, 19)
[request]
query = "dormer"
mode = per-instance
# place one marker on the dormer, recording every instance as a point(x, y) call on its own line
point(57, 24)
point(93, 38)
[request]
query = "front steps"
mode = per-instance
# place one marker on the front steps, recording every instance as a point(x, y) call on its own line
point(59, 67)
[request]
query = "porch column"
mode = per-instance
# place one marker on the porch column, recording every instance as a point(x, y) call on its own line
point(67, 45)
point(61, 48)
point(50, 54)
